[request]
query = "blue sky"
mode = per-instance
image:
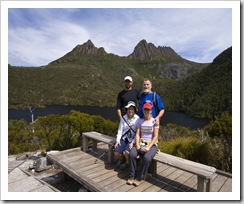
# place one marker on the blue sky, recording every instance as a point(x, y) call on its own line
point(37, 36)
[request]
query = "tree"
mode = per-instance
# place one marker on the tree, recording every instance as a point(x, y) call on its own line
point(48, 124)
point(220, 130)
point(81, 122)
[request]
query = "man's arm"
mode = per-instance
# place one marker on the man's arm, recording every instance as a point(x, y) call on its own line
point(118, 105)
point(119, 113)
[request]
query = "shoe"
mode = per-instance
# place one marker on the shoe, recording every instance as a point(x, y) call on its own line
point(145, 176)
point(116, 159)
point(123, 166)
point(130, 181)
point(136, 182)
point(119, 163)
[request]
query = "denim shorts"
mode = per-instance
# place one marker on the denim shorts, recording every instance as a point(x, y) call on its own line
point(124, 145)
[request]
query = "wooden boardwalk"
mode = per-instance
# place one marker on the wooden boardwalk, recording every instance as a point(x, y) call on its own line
point(97, 175)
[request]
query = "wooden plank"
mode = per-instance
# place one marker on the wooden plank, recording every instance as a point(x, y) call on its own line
point(105, 176)
point(171, 183)
point(75, 159)
point(150, 181)
point(124, 188)
point(183, 179)
point(176, 174)
point(219, 182)
point(100, 137)
point(113, 186)
point(71, 171)
point(95, 172)
point(204, 172)
point(186, 165)
point(115, 178)
point(227, 186)
point(101, 176)
point(162, 180)
point(66, 152)
point(87, 167)
point(192, 183)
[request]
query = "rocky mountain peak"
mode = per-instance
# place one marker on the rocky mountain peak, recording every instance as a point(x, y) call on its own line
point(149, 52)
point(88, 48)
point(145, 52)
point(169, 53)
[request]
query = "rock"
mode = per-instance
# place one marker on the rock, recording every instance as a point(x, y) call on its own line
point(82, 189)
point(40, 165)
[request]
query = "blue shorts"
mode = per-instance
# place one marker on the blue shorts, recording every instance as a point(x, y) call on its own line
point(124, 145)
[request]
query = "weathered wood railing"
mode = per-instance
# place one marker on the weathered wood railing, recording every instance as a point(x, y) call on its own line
point(204, 173)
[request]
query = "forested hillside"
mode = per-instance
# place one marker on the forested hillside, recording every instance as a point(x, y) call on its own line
point(89, 76)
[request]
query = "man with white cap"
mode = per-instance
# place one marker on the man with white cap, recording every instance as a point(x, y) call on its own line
point(126, 95)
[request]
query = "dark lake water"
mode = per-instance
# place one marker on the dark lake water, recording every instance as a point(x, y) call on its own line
point(180, 119)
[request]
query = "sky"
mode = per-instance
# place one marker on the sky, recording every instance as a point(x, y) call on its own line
point(38, 36)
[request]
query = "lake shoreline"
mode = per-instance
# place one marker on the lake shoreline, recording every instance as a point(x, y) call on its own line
point(108, 113)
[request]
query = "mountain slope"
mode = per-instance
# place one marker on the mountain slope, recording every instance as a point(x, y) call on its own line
point(87, 75)
point(209, 93)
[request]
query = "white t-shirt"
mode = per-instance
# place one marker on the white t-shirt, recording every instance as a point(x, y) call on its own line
point(147, 128)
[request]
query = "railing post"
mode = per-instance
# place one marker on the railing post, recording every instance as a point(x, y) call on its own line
point(85, 143)
point(153, 167)
point(203, 184)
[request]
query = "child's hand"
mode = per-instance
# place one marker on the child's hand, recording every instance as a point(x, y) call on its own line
point(116, 144)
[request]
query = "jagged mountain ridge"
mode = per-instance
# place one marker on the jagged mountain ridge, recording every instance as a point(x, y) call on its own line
point(149, 52)
point(95, 81)
point(144, 52)
point(166, 62)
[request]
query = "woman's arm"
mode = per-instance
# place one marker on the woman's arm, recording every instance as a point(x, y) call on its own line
point(138, 130)
point(154, 139)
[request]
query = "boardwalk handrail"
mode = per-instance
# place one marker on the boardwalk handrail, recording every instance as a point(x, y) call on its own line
point(204, 172)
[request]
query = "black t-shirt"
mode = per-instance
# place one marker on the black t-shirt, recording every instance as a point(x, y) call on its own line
point(124, 97)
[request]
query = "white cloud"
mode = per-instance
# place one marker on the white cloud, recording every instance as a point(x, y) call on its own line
point(39, 46)
point(192, 33)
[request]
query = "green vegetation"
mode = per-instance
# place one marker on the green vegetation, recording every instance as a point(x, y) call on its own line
point(55, 132)
point(96, 81)
point(210, 146)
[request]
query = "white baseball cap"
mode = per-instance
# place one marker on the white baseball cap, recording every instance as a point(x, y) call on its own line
point(130, 103)
point(128, 78)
